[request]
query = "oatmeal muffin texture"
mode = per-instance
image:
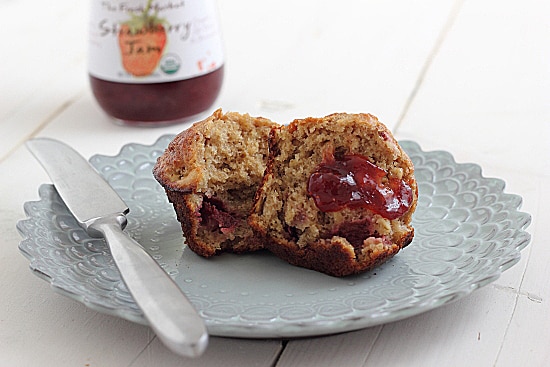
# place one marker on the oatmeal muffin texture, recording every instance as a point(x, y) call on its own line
point(346, 236)
point(210, 173)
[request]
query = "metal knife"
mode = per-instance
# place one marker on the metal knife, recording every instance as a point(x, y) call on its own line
point(101, 212)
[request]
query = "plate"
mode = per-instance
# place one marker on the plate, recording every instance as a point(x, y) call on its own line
point(467, 231)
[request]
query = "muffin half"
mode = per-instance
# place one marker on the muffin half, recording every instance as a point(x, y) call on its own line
point(210, 173)
point(337, 196)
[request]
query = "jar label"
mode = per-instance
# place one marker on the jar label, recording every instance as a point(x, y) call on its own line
point(153, 41)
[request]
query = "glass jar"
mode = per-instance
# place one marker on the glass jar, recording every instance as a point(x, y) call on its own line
point(155, 62)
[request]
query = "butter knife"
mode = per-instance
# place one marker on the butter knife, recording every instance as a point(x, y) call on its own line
point(102, 213)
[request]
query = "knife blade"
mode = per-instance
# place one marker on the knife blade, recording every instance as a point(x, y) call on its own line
point(102, 213)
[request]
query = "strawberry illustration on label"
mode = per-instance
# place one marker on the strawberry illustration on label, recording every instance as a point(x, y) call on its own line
point(141, 40)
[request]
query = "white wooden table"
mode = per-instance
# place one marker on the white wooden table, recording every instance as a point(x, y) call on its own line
point(471, 77)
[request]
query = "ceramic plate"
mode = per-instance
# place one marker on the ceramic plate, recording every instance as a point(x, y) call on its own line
point(467, 232)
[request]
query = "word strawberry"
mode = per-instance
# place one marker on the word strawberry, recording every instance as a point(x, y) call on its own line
point(141, 40)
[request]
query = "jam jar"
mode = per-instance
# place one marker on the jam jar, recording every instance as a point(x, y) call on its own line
point(155, 62)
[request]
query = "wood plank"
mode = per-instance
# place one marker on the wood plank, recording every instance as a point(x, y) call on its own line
point(455, 333)
point(220, 352)
point(356, 56)
point(527, 338)
point(466, 333)
point(49, 40)
point(348, 349)
point(45, 68)
point(490, 72)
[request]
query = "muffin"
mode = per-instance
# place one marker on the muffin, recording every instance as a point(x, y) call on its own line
point(210, 173)
point(337, 196)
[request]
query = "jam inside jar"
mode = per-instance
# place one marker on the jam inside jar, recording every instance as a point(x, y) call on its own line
point(157, 103)
point(353, 182)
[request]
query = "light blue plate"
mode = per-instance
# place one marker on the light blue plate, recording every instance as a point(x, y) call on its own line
point(467, 231)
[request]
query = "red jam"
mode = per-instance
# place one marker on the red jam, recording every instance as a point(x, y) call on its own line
point(215, 216)
point(353, 182)
point(149, 104)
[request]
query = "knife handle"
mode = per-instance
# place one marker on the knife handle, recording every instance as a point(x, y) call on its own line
point(169, 312)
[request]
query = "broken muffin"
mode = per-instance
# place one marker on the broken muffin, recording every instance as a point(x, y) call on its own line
point(210, 173)
point(337, 196)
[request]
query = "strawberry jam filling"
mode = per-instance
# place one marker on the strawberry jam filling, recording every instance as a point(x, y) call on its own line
point(215, 216)
point(352, 181)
